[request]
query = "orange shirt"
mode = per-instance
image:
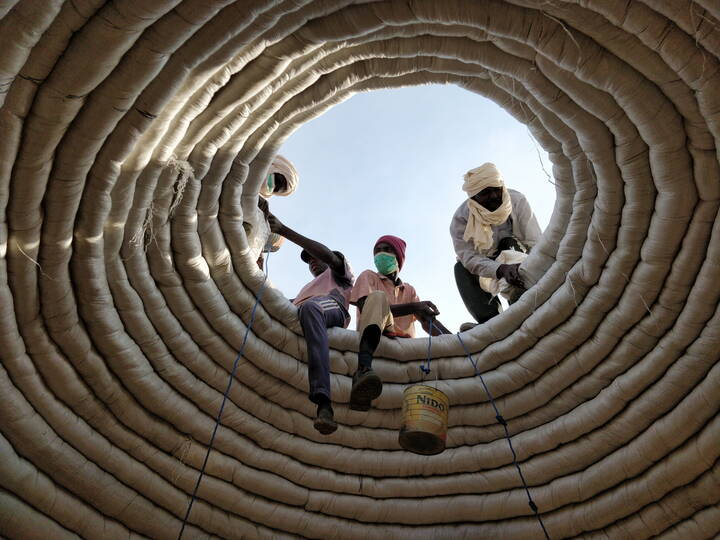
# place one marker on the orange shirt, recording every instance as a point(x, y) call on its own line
point(404, 293)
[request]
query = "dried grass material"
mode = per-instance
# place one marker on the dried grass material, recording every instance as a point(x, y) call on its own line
point(181, 453)
point(184, 174)
point(112, 367)
point(145, 235)
point(29, 258)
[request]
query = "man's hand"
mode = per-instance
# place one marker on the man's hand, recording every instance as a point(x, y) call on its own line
point(276, 225)
point(264, 206)
point(511, 273)
point(425, 310)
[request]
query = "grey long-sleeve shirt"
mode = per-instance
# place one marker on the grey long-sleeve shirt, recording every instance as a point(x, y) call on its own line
point(521, 224)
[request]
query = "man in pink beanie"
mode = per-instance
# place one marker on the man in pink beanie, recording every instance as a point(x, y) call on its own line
point(389, 307)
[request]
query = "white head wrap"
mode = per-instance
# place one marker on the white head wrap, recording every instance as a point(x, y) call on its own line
point(285, 167)
point(480, 219)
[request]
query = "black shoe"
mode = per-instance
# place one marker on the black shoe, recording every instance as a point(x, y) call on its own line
point(324, 422)
point(366, 387)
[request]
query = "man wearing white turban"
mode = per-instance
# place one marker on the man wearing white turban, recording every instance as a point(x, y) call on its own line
point(282, 180)
point(491, 220)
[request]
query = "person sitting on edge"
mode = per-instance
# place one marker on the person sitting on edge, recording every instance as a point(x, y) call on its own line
point(386, 306)
point(491, 220)
point(322, 304)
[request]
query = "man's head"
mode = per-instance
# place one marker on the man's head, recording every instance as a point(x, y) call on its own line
point(485, 186)
point(280, 184)
point(389, 245)
point(490, 198)
point(282, 178)
point(316, 266)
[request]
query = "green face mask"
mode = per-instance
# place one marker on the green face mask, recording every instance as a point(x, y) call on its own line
point(386, 264)
point(271, 182)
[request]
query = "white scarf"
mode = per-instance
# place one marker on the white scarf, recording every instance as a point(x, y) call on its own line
point(480, 219)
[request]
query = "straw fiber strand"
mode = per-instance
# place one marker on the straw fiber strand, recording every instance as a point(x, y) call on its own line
point(135, 136)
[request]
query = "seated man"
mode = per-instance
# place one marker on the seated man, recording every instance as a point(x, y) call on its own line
point(323, 303)
point(387, 306)
point(491, 220)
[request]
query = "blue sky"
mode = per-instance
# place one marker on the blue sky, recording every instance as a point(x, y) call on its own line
point(392, 162)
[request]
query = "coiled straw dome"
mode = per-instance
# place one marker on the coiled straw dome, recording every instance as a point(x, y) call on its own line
point(135, 136)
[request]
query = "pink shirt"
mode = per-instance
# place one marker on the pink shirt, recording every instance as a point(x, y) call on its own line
point(329, 284)
point(404, 293)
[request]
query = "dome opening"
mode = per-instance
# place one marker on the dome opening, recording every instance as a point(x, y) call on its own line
point(392, 161)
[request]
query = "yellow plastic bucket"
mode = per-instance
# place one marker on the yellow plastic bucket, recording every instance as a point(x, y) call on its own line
point(424, 420)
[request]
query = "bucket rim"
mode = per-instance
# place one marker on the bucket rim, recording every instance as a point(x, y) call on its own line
point(423, 385)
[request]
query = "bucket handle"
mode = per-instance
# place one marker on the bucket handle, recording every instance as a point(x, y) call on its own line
point(425, 366)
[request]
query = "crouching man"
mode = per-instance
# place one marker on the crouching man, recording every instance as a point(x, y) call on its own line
point(493, 225)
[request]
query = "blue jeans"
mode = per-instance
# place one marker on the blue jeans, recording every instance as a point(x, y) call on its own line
point(317, 315)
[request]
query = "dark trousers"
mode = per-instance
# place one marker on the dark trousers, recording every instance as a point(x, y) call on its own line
point(481, 304)
point(316, 316)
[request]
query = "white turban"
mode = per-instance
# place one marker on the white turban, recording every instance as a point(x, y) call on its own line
point(285, 167)
point(480, 219)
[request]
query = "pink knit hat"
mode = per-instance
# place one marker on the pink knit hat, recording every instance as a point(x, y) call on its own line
point(398, 245)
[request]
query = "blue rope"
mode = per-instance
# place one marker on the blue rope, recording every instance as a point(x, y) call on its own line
point(225, 395)
point(425, 367)
point(503, 423)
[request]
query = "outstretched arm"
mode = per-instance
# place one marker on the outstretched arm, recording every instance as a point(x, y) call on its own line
point(427, 314)
point(423, 311)
point(314, 248)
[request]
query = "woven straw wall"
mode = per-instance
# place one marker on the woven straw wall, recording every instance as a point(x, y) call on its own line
point(134, 134)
